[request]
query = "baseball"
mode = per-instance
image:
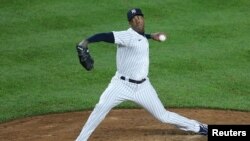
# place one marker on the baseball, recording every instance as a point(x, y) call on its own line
point(162, 37)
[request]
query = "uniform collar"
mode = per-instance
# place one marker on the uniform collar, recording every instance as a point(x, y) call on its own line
point(131, 29)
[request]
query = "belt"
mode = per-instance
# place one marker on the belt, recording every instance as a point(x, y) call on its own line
point(133, 81)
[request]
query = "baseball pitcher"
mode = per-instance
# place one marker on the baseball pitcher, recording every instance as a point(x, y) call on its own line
point(130, 82)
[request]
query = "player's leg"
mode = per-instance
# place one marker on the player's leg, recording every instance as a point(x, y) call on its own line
point(109, 99)
point(148, 99)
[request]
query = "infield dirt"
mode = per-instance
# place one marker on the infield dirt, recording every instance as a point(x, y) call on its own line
point(119, 125)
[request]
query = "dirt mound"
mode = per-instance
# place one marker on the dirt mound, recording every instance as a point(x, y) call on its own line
point(119, 125)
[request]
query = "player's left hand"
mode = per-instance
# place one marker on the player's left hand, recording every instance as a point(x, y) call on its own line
point(84, 57)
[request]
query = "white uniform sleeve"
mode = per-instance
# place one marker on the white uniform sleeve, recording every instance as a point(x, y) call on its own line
point(122, 38)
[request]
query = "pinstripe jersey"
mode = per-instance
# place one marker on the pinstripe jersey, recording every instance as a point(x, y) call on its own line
point(132, 58)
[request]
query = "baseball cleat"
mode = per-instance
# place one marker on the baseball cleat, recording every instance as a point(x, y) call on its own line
point(203, 129)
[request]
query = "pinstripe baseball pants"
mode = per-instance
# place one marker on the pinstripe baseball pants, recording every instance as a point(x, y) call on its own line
point(144, 95)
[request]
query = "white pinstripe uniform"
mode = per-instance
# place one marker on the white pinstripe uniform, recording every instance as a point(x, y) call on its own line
point(133, 63)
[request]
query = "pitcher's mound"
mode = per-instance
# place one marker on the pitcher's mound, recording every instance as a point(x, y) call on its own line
point(119, 125)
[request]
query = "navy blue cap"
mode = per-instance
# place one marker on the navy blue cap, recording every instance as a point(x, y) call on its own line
point(133, 12)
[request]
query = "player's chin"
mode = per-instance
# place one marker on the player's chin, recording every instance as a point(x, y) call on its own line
point(141, 29)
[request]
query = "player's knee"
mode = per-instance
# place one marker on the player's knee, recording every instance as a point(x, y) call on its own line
point(101, 110)
point(103, 106)
point(99, 106)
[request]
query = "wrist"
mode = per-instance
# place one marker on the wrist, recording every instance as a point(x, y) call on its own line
point(148, 36)
point(83, 43)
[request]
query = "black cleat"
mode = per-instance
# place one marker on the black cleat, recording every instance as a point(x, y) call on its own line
point(203, 129)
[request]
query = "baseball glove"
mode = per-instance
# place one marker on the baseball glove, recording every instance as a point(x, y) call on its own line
point(84, 57)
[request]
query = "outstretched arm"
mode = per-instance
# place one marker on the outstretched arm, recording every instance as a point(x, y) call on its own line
point(83, 52)
point(105, 37)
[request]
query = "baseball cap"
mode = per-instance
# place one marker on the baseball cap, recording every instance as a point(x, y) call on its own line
point(133, 12)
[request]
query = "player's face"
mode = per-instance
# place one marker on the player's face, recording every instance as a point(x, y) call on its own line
point(137, 23)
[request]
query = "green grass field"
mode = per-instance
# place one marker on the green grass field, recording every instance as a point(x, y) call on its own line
point(205, 63)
